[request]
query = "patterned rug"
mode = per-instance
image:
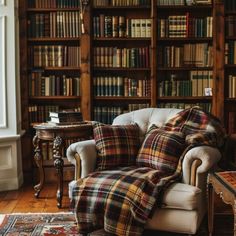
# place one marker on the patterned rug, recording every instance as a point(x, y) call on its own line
point(63, 224)
point(42, 224)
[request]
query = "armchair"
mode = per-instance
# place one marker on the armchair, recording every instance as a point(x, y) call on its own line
point(184, 202)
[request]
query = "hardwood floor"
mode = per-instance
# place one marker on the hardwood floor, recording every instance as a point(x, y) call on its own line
point(23, 200)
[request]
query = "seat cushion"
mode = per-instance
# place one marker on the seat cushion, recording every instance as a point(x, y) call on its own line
point(161, 149)
point(117, 145)
point(182, 196)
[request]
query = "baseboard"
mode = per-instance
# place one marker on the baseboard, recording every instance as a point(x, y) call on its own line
point(11, 183)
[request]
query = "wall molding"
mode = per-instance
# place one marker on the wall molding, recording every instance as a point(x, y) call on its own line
point(3, 88)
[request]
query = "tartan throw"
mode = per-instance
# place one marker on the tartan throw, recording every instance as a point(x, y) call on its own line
point(117, 145)
point(122, 200)
point(161, 149)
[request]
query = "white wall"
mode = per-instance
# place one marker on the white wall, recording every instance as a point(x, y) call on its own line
point(11, 176)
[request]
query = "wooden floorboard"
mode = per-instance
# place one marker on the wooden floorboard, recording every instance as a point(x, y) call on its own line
point(23, 200)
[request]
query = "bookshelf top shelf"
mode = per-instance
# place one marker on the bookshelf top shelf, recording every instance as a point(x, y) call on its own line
point(68, 68)
point(184, 7)
point(121, 39)
point(121, 7)
point(45, 98)
point(183, 39)
point(196, 98)
point(135, 98)
point(184, 68)
point(120, 69)
point(52, 9)
point(53, 39)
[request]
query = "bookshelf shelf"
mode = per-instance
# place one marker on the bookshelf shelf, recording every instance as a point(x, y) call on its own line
point(183, 68)
point(45, 98)
point(186, 39)
point(116, 69)
point(232, 100)
point(128, 8)
point(185, 98)
point(35, 10)
point(121, 98)
point(62, 39)
point(56, 69)
point(230, 13)
point(122, 39)
point(184, 8)
point(232, 66)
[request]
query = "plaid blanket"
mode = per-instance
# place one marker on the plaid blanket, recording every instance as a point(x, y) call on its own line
point(122, 200)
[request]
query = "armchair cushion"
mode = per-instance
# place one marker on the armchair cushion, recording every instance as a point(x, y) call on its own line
point(161, 149)
point(117, 145)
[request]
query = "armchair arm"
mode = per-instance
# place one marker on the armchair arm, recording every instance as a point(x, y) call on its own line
point(197, 162)
point(83, 155)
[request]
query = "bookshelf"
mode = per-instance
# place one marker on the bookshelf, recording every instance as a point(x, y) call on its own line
point(184, 49)
point(51, 58)
point(132, 54)
point(230, 65)
point(121, 40)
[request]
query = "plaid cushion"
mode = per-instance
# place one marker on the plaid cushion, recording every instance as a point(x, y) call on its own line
point(117, 145)
point(161, 149)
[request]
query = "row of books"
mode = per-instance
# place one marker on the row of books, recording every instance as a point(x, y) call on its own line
point(65, 117)
point(121, 57)
point(230, 22)
point(54, 56)
point(230, 52)
point(171, 2)
point(99, 3)
point(180, 105)
point(182, 2)
point(54, 24)
point(121, 86)
point(52, 85)
point(190, 54)
point(231, 122)
point(199, 84)
point(230, 5)
point(120, 26)
point(184, 26)
point(232, 86)
point(53, 3)
point(107, 114)
point(39, 113)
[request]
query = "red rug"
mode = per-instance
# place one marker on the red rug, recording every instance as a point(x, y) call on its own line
point(41, 224)
point(64, 224)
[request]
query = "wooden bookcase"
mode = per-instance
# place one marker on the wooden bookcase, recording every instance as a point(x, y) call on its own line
point(229, 12)
point(184, 55)
point(50, 38)
point(113, 79)
point(121, 58)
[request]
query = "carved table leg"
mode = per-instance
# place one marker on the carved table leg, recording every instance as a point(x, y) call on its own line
point(39, 162)
point(58, 163)
point(210, 209)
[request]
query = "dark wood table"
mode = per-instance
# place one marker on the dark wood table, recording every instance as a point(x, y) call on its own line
point(224, 184)
point(56, 134)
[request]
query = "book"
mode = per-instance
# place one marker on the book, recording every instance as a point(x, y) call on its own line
point(65, 114)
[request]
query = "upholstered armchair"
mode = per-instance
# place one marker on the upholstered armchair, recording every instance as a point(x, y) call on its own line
point(184, 202)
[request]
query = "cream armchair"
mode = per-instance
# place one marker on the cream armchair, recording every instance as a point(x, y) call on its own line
point(185, 201)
